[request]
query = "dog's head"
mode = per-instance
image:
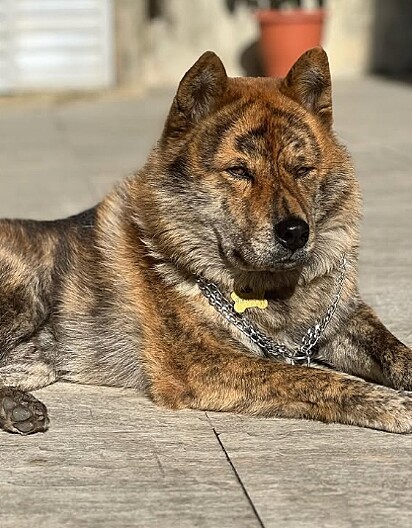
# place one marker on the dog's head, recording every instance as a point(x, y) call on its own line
point(249, 178)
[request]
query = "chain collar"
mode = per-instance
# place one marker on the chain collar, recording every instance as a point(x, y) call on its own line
point(302, 354)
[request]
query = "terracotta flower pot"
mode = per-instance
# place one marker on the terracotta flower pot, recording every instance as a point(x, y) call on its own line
point(285, 35)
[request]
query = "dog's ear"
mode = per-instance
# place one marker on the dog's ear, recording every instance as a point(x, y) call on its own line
point(198, 93)
point(201, 86)
point(308, 83)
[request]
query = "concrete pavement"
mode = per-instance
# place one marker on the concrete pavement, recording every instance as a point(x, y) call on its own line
point(111, 458)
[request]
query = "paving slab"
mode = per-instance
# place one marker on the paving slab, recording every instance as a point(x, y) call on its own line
point(301, 474)
point(113, 459)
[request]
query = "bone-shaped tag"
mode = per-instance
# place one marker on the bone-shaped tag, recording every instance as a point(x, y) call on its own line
point(242, 304)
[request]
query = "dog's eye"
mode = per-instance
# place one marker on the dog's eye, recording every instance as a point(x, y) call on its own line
point(300, 172)
point(240, 173)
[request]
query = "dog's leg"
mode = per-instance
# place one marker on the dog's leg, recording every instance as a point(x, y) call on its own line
point(365, 348)
point(29, 367)
point(20, 412)
point(26, 345)
point(25, 349)
point(224, 381)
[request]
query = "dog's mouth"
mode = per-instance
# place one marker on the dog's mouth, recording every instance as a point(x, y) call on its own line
point(237, 261)
point(277, 281)
point(277, 277)
point(243, 259)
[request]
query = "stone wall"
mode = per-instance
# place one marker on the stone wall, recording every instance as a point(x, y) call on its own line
point(348, 36)
point(157, 40)
point(170, 36)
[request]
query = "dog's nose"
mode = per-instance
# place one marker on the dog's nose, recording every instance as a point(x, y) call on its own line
point(292, 233)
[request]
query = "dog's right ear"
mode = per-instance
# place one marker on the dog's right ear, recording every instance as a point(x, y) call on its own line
point(198, 93)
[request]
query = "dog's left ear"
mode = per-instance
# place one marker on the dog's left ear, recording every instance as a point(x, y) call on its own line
point(198, 94)
point(308, 83)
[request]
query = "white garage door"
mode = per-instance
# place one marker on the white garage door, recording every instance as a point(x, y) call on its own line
point(55, 44)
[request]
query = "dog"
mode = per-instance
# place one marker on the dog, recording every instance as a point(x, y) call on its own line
point(222, 276)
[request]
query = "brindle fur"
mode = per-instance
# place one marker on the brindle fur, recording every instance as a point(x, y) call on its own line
point(109, 297)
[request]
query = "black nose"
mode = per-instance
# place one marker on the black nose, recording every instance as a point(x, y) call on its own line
point(292, 233)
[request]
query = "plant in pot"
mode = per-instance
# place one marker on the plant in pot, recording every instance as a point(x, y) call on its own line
point(287, 29)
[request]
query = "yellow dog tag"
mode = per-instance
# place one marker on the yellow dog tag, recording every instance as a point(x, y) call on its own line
point(242, 304)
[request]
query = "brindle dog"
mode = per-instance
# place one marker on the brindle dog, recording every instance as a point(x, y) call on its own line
point(247, 187)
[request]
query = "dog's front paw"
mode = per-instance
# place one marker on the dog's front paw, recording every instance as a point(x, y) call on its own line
point(21, 413)
point(397, 416)
point(398, 369)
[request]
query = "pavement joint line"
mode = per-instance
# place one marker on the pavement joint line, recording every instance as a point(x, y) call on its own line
point(236, 474)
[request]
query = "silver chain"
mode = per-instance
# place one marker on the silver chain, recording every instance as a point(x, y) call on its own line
point(302, 354)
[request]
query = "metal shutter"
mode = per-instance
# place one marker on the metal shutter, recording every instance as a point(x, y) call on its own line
point(55, 44)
